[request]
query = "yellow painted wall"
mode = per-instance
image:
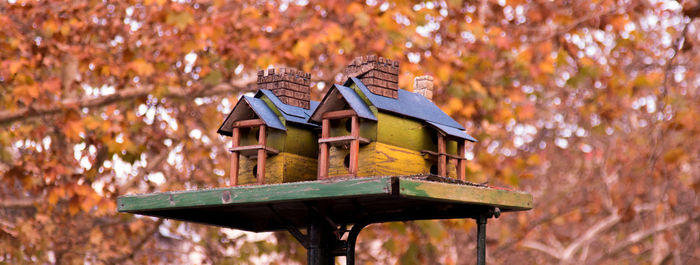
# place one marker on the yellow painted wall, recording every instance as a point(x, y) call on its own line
point(299, 168)
point(283, 167)
point(366, 161)
point(275, 138)
point(379, 159)
point(409, 133)
point(393, 160)
point(301, 141)
point(273, 170)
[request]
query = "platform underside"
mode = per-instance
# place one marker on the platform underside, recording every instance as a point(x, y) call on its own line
point(341, 201)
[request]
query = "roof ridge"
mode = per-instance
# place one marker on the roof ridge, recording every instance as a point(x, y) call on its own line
point(401, 105)
point(289, 112)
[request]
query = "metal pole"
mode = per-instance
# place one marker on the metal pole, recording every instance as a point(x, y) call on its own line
point(481, 240)
point(352, 239)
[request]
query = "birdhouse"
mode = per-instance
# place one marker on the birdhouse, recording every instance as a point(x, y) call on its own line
point(271, 140)
point(370, 127)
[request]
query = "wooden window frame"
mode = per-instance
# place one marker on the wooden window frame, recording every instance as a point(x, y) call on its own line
point(326, 140)
point(261, 147)
point(443, 156)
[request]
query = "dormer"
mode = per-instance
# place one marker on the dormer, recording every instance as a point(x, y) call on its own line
point(346, 122)
point(271, 142)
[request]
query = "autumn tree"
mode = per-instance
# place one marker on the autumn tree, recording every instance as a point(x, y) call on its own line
point(592, 106)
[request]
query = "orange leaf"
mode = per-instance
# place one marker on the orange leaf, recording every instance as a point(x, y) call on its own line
point(141, 67)
point(74, 205)
point(302, 48)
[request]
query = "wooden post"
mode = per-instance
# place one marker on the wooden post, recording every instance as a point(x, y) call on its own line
point(262, 154)
point(462, 162)
point(320, 242)
point(323, 154)
point(234, 157)
point(354, 145)
point(442, 158)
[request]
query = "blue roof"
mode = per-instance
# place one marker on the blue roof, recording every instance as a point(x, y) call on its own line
point(260, 109)
point(290, 113)
point(349, 95)
point(356, 102)
point(416, 106)
point(409, 104)
point(265, 113)
point(452, 131)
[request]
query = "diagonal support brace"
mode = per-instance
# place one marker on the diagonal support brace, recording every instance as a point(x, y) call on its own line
point(300, 237)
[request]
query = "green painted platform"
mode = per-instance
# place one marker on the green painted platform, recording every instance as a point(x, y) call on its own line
point(342, 201)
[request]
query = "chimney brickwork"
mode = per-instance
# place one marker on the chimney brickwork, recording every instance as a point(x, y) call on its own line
point(291, 86)
point(424, 85)
point(380, 75)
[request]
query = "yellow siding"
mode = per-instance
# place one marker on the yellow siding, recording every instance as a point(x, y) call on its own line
point(275, 138)
point(299, 168)
point(368, 128)
point(409, 133)
point(283, 167)
point(365, 162)
point(393, 160)
point(379, 159)
point(273, 170)
point(301, 141)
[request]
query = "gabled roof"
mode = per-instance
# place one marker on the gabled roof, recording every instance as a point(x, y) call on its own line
point(290, 113)
point(452, 131)
point(353, 99)
point(416, 106)
point(240, 112)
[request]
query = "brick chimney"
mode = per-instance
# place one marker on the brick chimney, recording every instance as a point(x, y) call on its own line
point(380, 75)
point(291, 86)
point(424, 85)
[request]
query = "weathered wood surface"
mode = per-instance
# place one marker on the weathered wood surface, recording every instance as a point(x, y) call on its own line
point(379, 159)
point(343, 140)
point(344, 201)
point(281, 168)
point(507, 199)
point(323, 159)
point(298, 168)
point(340, 127)
point(253, 150)
point(354, 145)
point(235, 158)
point(255, 194)
point(339, 114)
point(262, 154)
point(248, 123)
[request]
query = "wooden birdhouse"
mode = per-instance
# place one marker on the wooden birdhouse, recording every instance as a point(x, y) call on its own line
point(272, 142)
point(370, 127)
point(367, 127)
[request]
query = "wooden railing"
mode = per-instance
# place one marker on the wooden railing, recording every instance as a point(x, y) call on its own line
point(442, 157)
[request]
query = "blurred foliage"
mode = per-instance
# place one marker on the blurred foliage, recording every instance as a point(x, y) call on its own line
point(592, 106)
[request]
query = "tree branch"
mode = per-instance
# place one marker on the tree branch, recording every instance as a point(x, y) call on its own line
point(22, 203)
point(636, 237)
point(590, 234)
point(565, 254)
point(154, 163)
point(7, 226)
point(8, 116)
point(139, 245)
point(556, 253)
